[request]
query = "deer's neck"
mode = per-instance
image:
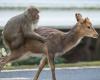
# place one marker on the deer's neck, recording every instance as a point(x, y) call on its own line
point(70, 40)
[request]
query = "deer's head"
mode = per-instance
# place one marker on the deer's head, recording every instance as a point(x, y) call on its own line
point(84, 27)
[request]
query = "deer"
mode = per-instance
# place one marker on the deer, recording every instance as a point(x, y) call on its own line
point(57, 44)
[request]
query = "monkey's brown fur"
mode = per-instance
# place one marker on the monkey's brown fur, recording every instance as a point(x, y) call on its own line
point(20, 27)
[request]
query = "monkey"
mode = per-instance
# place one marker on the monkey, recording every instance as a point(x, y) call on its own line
point(21, 27)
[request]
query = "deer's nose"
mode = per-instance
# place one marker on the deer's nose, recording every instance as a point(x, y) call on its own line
point(96, 35)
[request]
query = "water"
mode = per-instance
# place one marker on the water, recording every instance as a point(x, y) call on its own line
point(62, 74)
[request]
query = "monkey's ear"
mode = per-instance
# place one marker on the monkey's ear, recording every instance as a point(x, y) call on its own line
point(79, 17)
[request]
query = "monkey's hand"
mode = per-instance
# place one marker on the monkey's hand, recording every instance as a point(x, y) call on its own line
point(42, 39)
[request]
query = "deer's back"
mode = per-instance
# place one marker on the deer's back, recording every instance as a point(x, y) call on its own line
point(45, 31)
point(54, 38)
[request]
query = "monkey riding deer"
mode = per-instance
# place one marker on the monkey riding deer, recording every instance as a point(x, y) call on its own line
point(57, 44)
point(21, 27)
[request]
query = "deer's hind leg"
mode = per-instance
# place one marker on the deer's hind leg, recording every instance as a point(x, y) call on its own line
point(11, 57)
point(2, 62)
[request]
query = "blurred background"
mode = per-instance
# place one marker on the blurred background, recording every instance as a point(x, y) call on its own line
point(59, 14)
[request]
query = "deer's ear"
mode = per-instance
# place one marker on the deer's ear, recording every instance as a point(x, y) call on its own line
point(79, 17)
point(86, 20)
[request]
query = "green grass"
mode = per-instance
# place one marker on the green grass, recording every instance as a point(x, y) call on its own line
point(78, 64)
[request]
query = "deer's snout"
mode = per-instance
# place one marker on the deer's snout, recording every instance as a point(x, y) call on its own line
point(96, 35)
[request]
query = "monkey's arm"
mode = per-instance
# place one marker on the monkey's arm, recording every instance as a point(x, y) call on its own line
point(29, 33)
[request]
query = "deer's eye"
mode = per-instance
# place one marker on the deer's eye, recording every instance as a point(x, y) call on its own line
point(88, 27)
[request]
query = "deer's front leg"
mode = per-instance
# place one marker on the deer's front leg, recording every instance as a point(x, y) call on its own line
point(52, 65)
point(43, 62)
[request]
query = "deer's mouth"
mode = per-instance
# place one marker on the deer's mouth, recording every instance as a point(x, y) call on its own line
point(95, 36)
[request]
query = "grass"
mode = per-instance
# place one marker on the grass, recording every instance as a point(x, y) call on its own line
point(78, 64)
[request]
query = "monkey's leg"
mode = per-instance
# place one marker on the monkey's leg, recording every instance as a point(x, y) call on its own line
point(17, 42)
point(41, 66)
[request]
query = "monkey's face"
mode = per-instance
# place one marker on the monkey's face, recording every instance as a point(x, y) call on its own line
point(34, 12)
point(35, 15)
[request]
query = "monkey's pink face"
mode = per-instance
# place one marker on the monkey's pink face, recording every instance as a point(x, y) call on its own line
point(35, 15)
point(34, 12)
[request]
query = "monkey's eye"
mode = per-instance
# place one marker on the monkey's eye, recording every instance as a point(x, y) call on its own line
point(88, 27)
